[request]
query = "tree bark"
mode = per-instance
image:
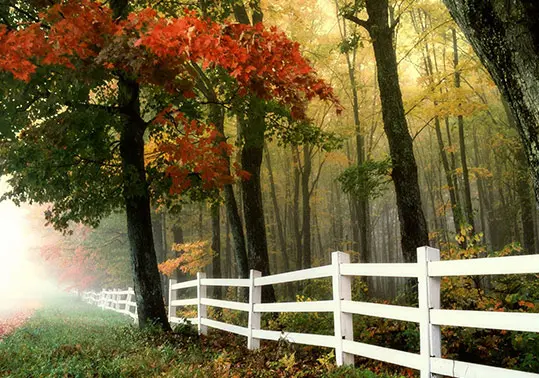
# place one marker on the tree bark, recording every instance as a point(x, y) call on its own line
point(523, 192)
point(148, 293)
point(505, 36)
point(413, 225)
point(252, 131)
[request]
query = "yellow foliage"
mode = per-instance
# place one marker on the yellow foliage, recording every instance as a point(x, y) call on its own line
point(481, 172)
point(338, 158)
point(193, 257)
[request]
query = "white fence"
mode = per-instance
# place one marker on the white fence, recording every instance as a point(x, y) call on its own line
point(122, 301)
point(428, 270)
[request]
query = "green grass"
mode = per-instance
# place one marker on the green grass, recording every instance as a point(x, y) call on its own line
point(69, 338)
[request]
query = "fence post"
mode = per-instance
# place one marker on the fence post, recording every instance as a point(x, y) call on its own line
point(128, 297)
point(429, 298)
point(343, 322)
point(201, 308)
point(255, 296)
point(172, 295)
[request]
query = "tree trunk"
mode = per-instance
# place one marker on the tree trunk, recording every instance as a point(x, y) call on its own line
point(216, 247)
point(526, 204)
point(159, 237)
point(228, 250)
point(295, 205)
point(505, 36)
point(361, 214)
point(523, 192)
point(452, 188)
point(231, 206)
point(468, 209)
point(413, 225)
point(177, 236)
point(306, 207)
point(252, 131)
point(276, 210)
point(455, 208)
point(148, 293)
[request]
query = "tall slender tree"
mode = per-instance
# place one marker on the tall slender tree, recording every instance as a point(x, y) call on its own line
point(413, 225)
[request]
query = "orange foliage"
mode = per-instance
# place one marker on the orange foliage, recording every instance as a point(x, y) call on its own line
point(160, 50)
point(198, 151)
point(193, 258)
point(169, 52)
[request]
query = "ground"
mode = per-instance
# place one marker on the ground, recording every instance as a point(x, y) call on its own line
point(69, 338)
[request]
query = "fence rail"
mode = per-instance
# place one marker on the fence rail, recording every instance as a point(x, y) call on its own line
point(122, 301)
point(428, 270)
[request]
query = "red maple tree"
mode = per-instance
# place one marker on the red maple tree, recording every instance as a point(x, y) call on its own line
point(164, 51)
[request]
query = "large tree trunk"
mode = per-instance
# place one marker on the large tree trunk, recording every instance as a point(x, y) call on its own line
point(526, 204)
point(414, 231)
point(148, 293)
point(505, 36)
point(523, 192)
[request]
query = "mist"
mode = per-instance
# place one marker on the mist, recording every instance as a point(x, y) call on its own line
point(24, 282)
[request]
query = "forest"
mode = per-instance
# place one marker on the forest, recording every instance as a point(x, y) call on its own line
point(158, 139)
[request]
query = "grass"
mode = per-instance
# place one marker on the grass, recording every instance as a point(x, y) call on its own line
point(69, 338)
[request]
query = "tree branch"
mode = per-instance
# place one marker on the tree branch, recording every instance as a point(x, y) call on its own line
point(86, 105)
point(358, 21)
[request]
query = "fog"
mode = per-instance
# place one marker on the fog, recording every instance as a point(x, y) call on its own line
point(23, 279)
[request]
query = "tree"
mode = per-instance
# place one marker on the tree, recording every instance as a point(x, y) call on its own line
point(349, 47)
point(94, 81)
point(505, 37)
point(413, 225)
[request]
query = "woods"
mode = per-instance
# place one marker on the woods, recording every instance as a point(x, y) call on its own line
point(264, 136)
